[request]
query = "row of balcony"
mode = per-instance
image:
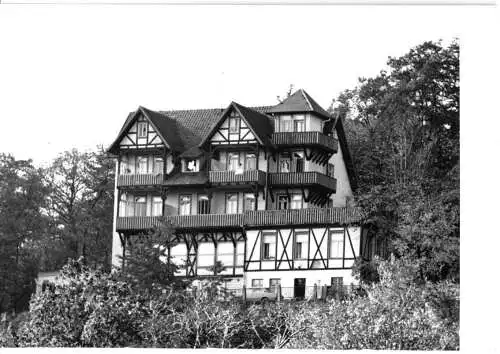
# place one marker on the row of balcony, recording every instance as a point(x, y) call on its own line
point(254, 218)
point(246, 177)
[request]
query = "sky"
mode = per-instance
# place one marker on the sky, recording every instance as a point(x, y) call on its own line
point(70, 74)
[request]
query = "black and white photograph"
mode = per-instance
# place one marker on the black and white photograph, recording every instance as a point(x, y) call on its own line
point(247, 175)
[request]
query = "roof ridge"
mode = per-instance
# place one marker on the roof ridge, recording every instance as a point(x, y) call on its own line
point(303, 92)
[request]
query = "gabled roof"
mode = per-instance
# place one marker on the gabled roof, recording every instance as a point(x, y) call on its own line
point(131, 119)
point(299, 101)
point(259, 123)
point(185, 130)
point(167, 127)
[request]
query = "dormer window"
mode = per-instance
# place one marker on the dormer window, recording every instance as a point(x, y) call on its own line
point(234, 125)
point(191, 165)
point(142, 129)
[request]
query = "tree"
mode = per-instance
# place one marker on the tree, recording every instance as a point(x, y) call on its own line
point(81, 205)
point(403, 130)
point(22, 223)
point(148, 264)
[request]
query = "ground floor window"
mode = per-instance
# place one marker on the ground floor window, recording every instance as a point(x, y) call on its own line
point(274, 282)
point(257, 283)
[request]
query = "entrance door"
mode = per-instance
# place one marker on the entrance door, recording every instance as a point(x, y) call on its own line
point(299, 287)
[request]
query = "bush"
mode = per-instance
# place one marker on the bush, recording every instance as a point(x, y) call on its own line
point(100, 310)
point(397, 314)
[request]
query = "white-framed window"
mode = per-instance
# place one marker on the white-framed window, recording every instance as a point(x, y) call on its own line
point(157, 165)
point(203, 204)
point(297, 201)
point(274, 282)
point(249, 203)
point(283, 202)
point(140, 206)
point(234, 125)
point(142, 165)
point(125, 167)
point(142, 129)
point(300, 246)
point(122, 211)
point(336, 244)
point(185, 205)
point(286, 124)
point(298, 123)
point(250, 161)
point(231, 203)
point(268, 245)
point(233, 161)
point(257, 283)
point(156, 209)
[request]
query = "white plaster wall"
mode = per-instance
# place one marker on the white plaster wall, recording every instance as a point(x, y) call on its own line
point(343, 186)
point(315, 248)
point(313, 123)
point(310, 166)
point(319, 277)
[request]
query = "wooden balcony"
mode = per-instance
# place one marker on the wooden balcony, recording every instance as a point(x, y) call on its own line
point(255, 218)
point(303, 179)
point(312, 216)
point(231, 177)
point(296, 139)
point(201, 221)
point(140, 180)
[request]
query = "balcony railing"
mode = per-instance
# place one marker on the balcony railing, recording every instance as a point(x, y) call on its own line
point(313, 216)
point(303, 178)
point(204, 221)
point(140, 180)
point(305, 138)
point(231, 177)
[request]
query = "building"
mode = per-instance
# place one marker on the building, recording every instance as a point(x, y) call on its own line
point(266, 191)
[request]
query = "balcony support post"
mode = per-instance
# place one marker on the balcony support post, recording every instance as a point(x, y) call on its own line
point(257, 152)
point(214, 241)
point(164, 195)
point(235, 254)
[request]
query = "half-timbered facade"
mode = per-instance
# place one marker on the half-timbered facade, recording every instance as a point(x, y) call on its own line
point(266, 191)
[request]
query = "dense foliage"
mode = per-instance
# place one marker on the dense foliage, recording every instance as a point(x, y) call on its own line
point(403, 132)
point(48, 215)
point(95, 308)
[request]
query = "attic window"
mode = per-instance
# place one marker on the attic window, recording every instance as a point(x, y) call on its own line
point(191, 166)
point(234, 125)
point(142, 129)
